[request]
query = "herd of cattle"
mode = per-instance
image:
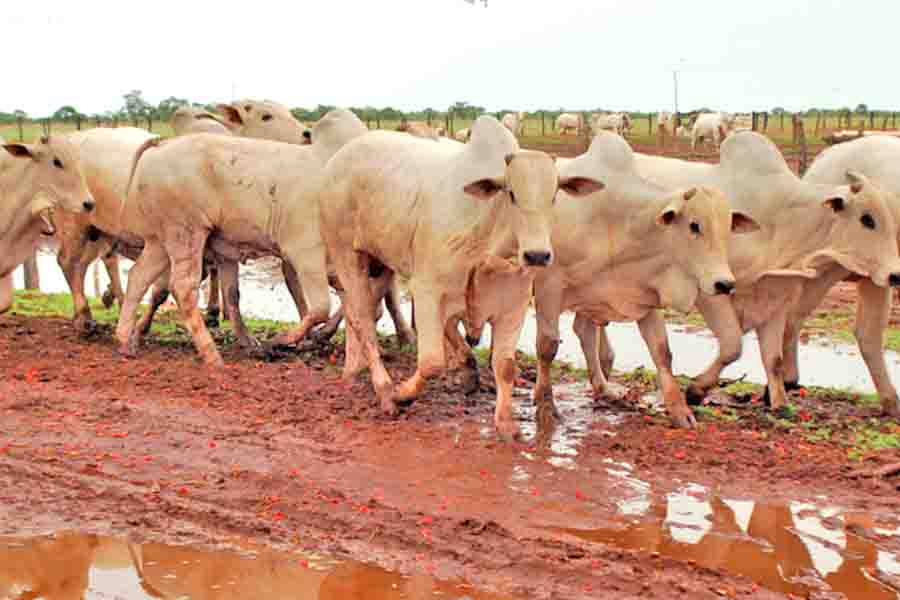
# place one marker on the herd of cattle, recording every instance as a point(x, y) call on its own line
point(478, 230)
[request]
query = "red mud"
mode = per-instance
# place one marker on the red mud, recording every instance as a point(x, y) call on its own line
point(286, 454)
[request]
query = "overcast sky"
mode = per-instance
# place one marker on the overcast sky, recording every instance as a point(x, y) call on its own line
point(523, 54)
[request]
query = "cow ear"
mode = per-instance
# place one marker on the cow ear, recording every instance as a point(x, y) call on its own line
point(743, 223)
point(20, 150)
point(484, 189)
point(232, 115)
point(580, 186)
point(836, 203)
point(672, 211)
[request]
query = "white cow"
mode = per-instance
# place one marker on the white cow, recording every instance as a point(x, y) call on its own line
point(810, 234)
point(619, 123)
point(710, 127)
point(467, 225)
point(258, 196)
point(623, 252)
point(462, 135)
point(38, 183)
point(515, 122)
point(569, 122)
point(187, 119)
point(877, 158)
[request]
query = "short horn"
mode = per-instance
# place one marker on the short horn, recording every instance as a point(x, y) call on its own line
point(690, 193)
point(509, 158)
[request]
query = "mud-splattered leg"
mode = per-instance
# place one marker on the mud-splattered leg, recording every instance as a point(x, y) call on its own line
point(606, 354)
point(6, 292)
point(872, 314)
point(405, 334)
point(294, 287)
point(228, 272)
point(587, 331)
point(431, 356)
point(548, 307)
point(185, 249)
point(152, 262)
point(460, 357)
point(505, 330)
point(73, 258)
point(653, 330)
point(309, 266)
point(158, 297)
point(721, 318)
point(213, 302)
point(114, 292)
point(771, 346)
point(353, 270)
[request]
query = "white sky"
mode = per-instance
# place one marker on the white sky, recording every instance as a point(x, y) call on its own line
point(516, 54)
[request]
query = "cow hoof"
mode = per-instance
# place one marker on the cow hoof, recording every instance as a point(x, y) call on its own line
point(85, 326)
point(508, 430)
point(108, 299)
point(323, 334)
point(127, 351)
point(470, 382)
point(212, 320)
point(766, 399)
point(891, 409)
point(694, 396)
point(791, 386)
point(683, 419)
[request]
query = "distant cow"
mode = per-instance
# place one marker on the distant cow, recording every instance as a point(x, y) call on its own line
point(187, 119)
point(711, 128)
point(418, 129)
point(515, 122)
point(462, 135)
point(569, 122)
point(619, 123)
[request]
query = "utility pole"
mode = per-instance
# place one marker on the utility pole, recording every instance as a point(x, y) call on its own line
point(675, 80)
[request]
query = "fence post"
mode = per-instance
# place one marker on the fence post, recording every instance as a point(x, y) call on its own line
point(543, 124)
point(884, 122)
point(893, 120)
point(794, 129)
point(19, 122)
point(804, 157)
point(766, 122)
point(871, 119)
point(32, 277)
point(650, 124)
point(818, 121)
point(782, 121)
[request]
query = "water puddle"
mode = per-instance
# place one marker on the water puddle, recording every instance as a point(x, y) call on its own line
point(264, 295)
point(793, 547)
point(72, 566)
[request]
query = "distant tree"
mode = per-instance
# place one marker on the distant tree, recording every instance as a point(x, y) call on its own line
point(862, 108)
point(135, 105)
point(168, 106)
point(778, 110)
point(390, 113)
point(67, 114)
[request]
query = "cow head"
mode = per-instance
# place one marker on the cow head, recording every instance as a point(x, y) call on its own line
point(51, 179)
point(187, 119)
point(863, 235)
point(265, 120)
point(529, 188)
point(697, 224)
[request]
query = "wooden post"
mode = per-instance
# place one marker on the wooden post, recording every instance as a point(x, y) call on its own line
point(871, 119)
point(20, 121)
point(781, 115)
point(754, 116)
point(793, 129)
point(448, 122)
point(650, 124)
point(543, 124)
point(765, 122)
point(804, 157)
point(32, 277)
point(893, 120)
point(884, 122)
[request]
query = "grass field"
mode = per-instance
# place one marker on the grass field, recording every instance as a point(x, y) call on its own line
point(534, 134)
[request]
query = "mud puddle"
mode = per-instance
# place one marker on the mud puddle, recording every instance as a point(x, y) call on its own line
point(69, 566)
point(794, 547)
point(264, 295)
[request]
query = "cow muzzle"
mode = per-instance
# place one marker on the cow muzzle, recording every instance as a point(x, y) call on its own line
point(724, 287)
point(88, 205)
point(537, 258)
point(894, 280)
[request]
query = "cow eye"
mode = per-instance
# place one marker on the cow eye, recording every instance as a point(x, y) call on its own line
point(867, 221)
point(695, 228)
point(267, 117)
point(57, 163)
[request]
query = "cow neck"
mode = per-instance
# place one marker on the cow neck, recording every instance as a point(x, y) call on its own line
point(14, 196)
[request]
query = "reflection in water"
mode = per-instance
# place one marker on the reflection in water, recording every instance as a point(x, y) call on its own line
point(71, 566)
point(785, 547)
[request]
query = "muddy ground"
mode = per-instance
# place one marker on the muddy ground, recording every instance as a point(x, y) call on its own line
point(285, 455)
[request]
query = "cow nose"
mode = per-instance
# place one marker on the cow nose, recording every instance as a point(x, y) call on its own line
point(88, 205)
point(724, 287)
point(894, 280)
point(537, 258)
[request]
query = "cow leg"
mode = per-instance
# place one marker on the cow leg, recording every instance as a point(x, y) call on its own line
point(74, 257)
point(771, 346)
point(359, 310)
point(309, 266)
point(605, 352)
point(431, 358)
point(295, 288)
point(505, 331)
point(872, 314)
point(405, 335)
point(6, 292)
point(186, 256)
point(586, 330)
point(460, 356)
point(213, 302)
point(228, 271)
point(157, 298)
point(113, 293)
point(653, 330)
point(548, 307)
point(721, 318)
point(152, 263)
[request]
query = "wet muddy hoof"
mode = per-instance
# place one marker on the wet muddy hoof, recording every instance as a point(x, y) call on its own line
point(683, 420)
point(322, 335)
point(508, 431)
point(791, 386)
point(693, 396)
point(783, 412)
point(212, 320)
point(108, 299)
point(766, 400)
point(404, 403)
point(390, 408)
